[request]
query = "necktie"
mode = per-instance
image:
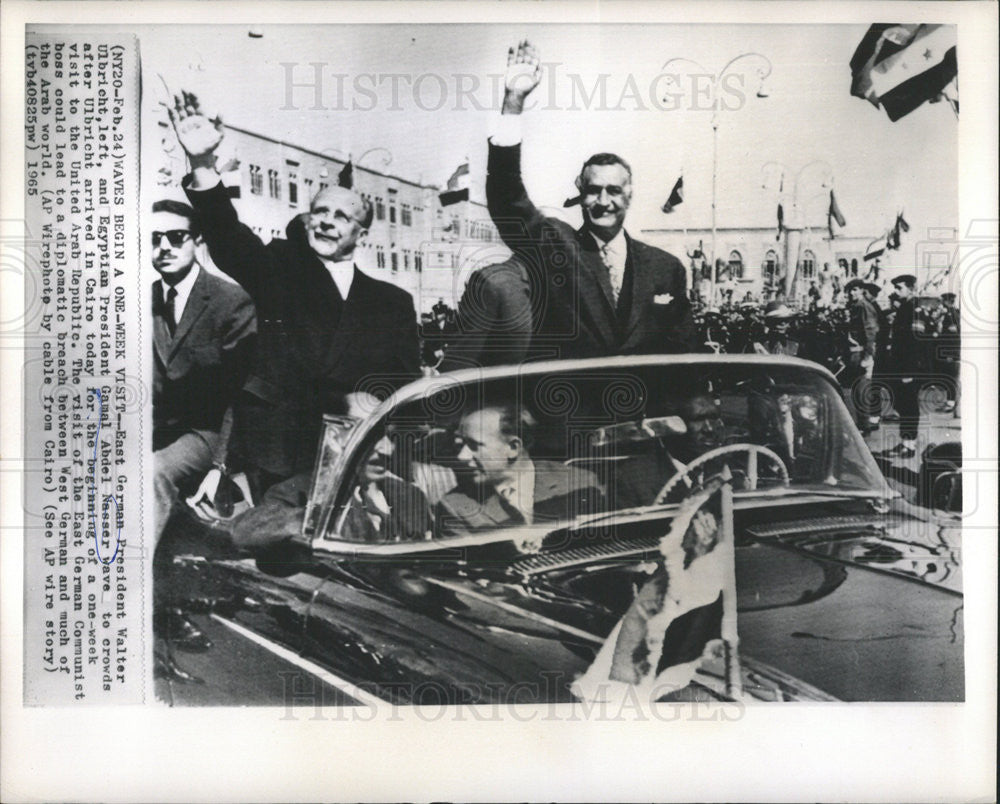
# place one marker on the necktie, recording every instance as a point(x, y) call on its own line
point(168, 311)
point(508, 504)
point(613, 273)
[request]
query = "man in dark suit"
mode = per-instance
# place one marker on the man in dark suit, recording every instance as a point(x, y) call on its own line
point(327, 330)
point(907, 359)
point(604, 293)
point(203, 334)
point(864, 331)
point(506, 486)
point(494, 318)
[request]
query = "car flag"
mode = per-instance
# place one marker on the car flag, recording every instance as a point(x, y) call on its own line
point(676, 196)
point(458, 186)
point(899, 67)
point(875, 249)
point(683, 615)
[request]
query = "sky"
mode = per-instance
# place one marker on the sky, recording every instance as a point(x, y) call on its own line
point(808, 119)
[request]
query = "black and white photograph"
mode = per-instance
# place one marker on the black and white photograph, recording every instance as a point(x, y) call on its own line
point(574, 371)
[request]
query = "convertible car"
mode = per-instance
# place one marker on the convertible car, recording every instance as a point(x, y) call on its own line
point(412, 582)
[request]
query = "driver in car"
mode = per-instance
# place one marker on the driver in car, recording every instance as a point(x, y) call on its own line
point(643, 476)
point(505, 485)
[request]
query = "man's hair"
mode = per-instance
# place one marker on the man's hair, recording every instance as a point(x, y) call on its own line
point(182, 210)
point(515, 421)
point(606, 159)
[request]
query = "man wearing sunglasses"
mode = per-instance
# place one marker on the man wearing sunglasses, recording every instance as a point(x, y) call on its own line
point(327, 330)
point(203, 336)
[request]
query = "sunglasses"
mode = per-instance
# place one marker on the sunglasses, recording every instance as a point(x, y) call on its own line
point(176, 237)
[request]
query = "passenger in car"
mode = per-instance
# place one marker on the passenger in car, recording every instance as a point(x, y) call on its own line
point(385, 507)
point(505, 485)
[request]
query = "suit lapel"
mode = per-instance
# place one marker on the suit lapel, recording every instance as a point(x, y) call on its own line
point(642, 285)
point(161, 335)
point(595, 286)
point(196, 304)
point(352, 316)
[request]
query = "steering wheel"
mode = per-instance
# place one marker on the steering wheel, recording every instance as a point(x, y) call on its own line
point(752, 451)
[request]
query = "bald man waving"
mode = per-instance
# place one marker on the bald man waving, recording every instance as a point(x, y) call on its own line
point(325, 328)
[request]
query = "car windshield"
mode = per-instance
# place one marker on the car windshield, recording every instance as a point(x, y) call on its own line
point(534, 449)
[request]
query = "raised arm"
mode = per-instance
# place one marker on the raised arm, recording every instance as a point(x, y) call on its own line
point(515, 216)
point(235, 249)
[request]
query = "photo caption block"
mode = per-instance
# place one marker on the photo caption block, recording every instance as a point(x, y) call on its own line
point(84, 399)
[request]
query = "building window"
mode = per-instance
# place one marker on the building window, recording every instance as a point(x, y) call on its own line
point(770, 267)
point(406, 215)
point(274, 184)
point(392, 212)
point(293, 182)
point(379, 208)
point(256, 180)
point(307, 186)
point(735, 265)
point(808, 265)
point(418, 262)
point(322, 186)
point(406, 259)
point(380, 256)
point(395, 261)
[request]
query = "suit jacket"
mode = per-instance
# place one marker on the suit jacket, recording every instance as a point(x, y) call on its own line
point(571, 284)
point(197, 372)
point(494, 318)
point(308, 356)
point(865, 325)
point(907, 354)
point(561, 492)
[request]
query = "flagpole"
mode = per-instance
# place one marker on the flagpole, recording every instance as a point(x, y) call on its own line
point(716, 79)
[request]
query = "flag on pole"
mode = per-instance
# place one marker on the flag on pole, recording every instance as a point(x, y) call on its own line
point(346, 176)
point(894, 237)
point(781, 221)
point(900, 67)
point(834, 214)
point(875, 249)
point(572, 202)
point(684, 615)
point(676, 196)
point(458, 186)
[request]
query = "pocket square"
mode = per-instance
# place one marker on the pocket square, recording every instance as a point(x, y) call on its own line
point(663, 298)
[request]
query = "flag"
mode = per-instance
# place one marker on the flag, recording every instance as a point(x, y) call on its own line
point(346, 176)
point(899, 67)
point(458, 186)
point(781, 221)
point(895, 238)
point(875, 249)
point(682, 616)
point(835, 212)
point(572, 202)
point(676, 196)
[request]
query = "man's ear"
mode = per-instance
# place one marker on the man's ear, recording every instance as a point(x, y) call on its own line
point(578, 181)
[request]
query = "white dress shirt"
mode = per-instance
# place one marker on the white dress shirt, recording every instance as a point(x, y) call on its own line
point(183, 289)
point(343, 275)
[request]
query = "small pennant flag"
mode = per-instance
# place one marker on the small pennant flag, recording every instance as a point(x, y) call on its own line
point(901, 223)
point(346, 176)
point(682, 616)
point(676, 196)
point(572, 202)
point(458, 186)
point(834, 214)
point(900, 67)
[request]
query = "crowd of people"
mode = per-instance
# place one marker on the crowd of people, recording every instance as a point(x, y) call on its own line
point(245, 372)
